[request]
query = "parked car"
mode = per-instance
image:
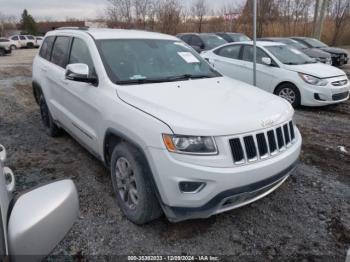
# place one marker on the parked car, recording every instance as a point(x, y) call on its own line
point(39, 41)
point(178, 137)
point(203, 41)
point(339, 56)
point(5, 46)
point(316, 53)
point(284, 71)
point(33, 222)
point(233, 37)
point(27, 41)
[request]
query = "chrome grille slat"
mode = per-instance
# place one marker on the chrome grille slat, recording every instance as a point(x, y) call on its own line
point(262, 145)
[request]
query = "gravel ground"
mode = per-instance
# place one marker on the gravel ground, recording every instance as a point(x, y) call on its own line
point(306, 219)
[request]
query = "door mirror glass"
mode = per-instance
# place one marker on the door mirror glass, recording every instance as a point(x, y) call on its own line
point(41, 218)
point(266, 60)
point(79, 72)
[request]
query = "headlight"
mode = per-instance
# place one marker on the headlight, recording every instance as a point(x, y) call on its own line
point(196, 145)
point(312, 80)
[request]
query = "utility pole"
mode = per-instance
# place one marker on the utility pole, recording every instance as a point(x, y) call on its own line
point(320, 17)
point(254, 40)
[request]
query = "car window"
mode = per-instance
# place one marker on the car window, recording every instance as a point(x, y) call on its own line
point(60, 51)
point(248, 54)
point(196, 41)
point(231, 51)
point(139, 60)
point(211, 41)
point(22, 37)
point(4, 40)
point(39, 38)
point(30, 37)
point(46, 47)
point(80, 54)
point(15, 38)
point(186, 38)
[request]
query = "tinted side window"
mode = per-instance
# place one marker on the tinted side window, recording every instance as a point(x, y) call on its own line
point(45, 50)
point(229, 51)
point(80, 54)
point(15, 38)
point(186, 38)
point(22, 37)
point(30, 37)
point(196, 41)
point(248, 54)
point(60, 51)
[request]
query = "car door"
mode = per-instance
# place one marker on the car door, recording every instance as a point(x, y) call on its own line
point(264, 73)
point(22, 41)
point(81, 100)
point(227, 61)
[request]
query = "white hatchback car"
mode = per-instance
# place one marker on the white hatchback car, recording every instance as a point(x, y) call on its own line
point(176, 135)
point(282, 70)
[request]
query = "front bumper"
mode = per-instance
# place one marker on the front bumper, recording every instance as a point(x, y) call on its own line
point(223, 185)
point(324, 95)
point(231, 199)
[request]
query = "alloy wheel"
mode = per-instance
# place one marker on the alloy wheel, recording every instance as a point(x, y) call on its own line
point(288, 94)
point(126, 183)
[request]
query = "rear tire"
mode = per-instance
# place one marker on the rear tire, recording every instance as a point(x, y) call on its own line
point(2, 52)
point(51, 128)
point(132, 186)
point(13, 47)
point(289, 92)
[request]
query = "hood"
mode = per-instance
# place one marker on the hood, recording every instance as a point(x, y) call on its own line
point(317, 69)
point(334, 50)
point(208, 107)
point(315, 53)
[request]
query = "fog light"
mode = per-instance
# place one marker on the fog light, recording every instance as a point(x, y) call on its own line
point(320, 97)
point(191, 187)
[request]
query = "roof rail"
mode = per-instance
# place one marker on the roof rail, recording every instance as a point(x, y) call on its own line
point(84, 28)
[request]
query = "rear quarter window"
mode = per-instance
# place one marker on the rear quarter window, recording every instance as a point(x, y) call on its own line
point(46, 47)
point(60, 51)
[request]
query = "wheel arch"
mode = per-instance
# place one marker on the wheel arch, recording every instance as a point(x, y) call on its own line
point(37, 90)
point(111, 139)
point(283, 83)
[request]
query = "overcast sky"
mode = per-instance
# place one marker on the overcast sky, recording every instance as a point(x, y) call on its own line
point(79, 9)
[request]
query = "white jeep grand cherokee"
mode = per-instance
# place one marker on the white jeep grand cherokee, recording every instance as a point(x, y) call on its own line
point(177, 136)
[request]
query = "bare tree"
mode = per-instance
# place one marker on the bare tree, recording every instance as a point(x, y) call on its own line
point(143, 10)
point(199, 10)
point(168, 15)
point(120, 11)
point(340, 11)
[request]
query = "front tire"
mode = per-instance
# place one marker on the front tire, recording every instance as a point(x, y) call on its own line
point(51, 128)
point(13, 47)
point(132, 186)
point(290, 93)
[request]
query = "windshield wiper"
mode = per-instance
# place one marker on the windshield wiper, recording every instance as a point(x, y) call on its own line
point(187, 77)
point(140, 81)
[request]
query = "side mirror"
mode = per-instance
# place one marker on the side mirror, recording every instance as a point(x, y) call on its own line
point(40, 219)
point(80, 73)
point(266, 61)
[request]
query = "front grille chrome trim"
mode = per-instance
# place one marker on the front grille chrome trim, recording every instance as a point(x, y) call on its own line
point(264, 144)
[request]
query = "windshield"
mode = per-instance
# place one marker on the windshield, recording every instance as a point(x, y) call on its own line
point(139, 61)
point(212, 41)
point(289, 55)
point(293, 43)
point(239, 38)
point(314, 42)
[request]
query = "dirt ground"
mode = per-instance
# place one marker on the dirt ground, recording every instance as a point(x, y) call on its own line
point(306, 219)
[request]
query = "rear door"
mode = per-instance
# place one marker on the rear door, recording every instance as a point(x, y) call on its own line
point(227, 61)
point(22, 41)
point(55, 75)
